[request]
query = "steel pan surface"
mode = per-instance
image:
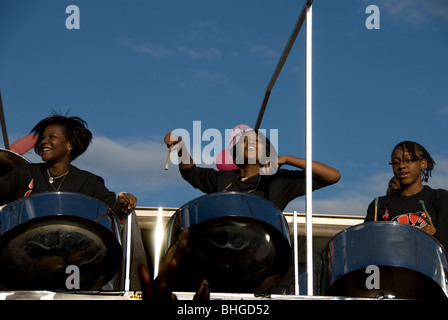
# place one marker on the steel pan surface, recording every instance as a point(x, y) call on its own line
point(9, 160)
point(44, 233)
point(237, 241)
point(412, 264)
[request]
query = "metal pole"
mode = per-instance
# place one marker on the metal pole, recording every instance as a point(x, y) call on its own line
point(127, 280)
point(281, 62)
point(296, 257)
point(3, 123)
point(308, 153)
point(158, 241)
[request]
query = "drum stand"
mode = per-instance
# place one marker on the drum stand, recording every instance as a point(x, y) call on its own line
point(133, 253)
point(296, 257)
point(127, 278)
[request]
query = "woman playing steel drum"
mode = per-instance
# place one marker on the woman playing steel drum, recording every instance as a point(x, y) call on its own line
point(257, 173)
point(253, 174)
point(414, 203)
point(403, 237)
point(60, 140)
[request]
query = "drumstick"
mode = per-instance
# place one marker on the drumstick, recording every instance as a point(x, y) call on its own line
point(168, 158)
point(426, 212)
point(376, 208)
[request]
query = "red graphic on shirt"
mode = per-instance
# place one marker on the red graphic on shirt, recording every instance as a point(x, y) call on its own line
point(413, 219)
point(30, 186)
point(386, 215)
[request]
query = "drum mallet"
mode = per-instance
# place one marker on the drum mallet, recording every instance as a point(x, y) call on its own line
point(376, 208)
point(426, 211)
point(168, 158)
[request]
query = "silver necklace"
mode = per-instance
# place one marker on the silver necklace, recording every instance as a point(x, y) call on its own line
point(51, 179)
point(256, 186)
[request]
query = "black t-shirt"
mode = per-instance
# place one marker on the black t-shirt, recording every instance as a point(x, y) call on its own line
point(279, 188)
point(33, 178)
point(409, 210)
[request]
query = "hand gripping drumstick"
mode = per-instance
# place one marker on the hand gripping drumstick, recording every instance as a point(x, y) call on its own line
point(121, 195)
point(168, 158)
point(426, 211)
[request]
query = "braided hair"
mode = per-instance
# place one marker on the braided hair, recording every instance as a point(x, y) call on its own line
point(418, 152)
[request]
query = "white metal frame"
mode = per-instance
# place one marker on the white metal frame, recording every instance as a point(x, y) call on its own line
point(306, 14)
point(308, 153)
point(127, 279)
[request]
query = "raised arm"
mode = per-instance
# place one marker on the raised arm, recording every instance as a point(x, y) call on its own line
point(320, 170)
point(176, 143)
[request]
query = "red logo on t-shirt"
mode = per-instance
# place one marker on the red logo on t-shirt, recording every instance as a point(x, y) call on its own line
point(413, 219)
point(30, 186)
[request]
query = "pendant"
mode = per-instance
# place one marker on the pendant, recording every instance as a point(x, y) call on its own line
point(50, 180)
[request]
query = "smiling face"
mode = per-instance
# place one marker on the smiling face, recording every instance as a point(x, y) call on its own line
point(54, 144)
point(408, 170)
point(250, 147)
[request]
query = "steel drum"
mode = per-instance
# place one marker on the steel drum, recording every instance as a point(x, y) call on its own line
point(43, 234)
point(239, 242)
point(411, 263)
point(9, 160)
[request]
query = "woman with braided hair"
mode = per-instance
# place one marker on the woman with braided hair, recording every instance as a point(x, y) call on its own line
point(414, 203)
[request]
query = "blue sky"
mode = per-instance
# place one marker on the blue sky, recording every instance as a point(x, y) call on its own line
point(136, 70)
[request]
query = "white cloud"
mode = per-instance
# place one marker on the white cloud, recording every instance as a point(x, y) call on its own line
point(162, 51)
point(201, 53)
point(439, 177)
point(138, 167)
point(263, 50)
point(356, 197)
point(208, 78)
point(349, 201)
point(148, 48)
point(416, 11)
point(129, 164)
point(443, 110)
